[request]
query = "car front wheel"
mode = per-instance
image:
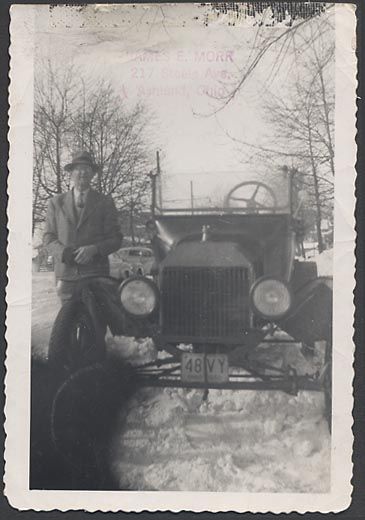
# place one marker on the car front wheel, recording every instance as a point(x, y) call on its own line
point(74, 341)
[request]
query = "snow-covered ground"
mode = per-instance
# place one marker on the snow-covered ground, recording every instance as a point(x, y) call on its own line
point(171, 439)
point(45, 306)
point(325, 263)
point(235, 441)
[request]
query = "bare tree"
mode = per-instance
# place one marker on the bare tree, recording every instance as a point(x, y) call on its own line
point(83, 114)
point(55, 99)
point(39, 195)
point(301, 118)
point(293, 17)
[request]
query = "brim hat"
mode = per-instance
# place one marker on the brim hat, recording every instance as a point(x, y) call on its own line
point(82, 157)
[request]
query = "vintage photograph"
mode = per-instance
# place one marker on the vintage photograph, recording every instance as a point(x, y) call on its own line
point(184, 167)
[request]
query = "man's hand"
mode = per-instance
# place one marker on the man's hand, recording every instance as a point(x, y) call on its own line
point(84, 254)
point(68, 256)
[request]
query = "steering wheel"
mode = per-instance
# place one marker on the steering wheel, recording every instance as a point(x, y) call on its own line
point(251, 201)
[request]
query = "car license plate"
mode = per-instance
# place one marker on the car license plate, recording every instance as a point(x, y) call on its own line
point(198, 368)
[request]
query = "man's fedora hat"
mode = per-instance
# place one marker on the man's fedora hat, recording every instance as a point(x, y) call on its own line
point(82, 157)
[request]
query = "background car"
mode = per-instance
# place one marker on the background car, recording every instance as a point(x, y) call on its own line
point(129, 261)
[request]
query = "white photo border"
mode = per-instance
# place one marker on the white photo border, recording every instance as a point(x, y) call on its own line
point(18, 296)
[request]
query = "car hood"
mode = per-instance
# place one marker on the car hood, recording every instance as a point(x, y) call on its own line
point(224, 240)
point(209, 253)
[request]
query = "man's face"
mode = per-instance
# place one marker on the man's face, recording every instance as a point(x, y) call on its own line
point(81, 176)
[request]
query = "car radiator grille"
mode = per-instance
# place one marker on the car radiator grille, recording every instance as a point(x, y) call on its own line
point(204, 302)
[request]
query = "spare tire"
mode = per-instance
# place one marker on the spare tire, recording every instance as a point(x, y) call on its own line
point(84, 413)
point(75, 341)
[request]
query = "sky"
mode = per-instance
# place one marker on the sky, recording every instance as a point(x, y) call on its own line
point(176, 59)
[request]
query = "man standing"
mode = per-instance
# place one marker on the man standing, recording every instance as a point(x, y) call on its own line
point(81, 228)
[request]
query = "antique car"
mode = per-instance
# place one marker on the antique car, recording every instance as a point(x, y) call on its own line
point(129, 261)
point(227, 286)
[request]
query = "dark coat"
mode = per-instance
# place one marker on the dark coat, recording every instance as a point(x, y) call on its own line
point(98, 225)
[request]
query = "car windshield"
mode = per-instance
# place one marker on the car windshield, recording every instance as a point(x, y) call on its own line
point(225, 191)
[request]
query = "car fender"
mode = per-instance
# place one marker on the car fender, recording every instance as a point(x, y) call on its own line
point(303, 273)
point(310, 316)
point(101, 295)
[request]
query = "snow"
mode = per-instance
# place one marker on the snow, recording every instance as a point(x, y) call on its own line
point(325, 263)
point(235, 441)
point(243, 441)
point(45, 306)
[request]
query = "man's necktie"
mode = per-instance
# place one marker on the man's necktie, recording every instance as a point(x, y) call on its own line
point(80, 202)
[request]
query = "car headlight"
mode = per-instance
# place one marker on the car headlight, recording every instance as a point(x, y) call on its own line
point(270, 298)
point(139, 296)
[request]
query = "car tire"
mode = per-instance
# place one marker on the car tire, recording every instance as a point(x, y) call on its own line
point(82, 421)
point(73, 343)
point(327, 384)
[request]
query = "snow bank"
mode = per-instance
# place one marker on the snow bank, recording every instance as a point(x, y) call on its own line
point(172, 440)
point(45, 306)
point(324, 263)
point(136, 351)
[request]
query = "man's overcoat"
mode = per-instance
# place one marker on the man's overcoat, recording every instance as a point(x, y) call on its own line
point(98, 225)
